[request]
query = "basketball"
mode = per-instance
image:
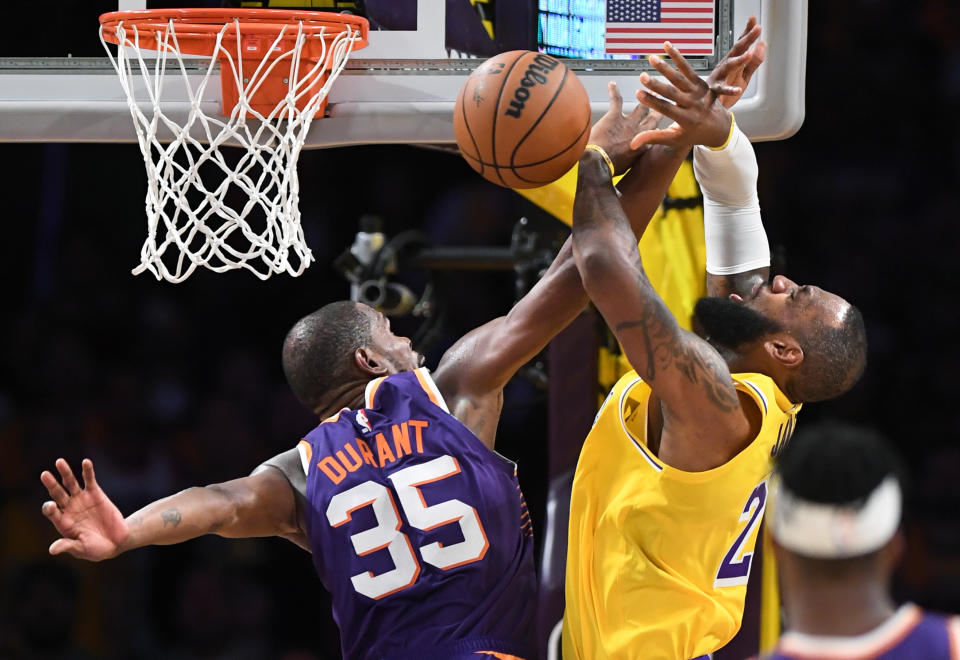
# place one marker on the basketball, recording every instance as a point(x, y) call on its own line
point(522, 119)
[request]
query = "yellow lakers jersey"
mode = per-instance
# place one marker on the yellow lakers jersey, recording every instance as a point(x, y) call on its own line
point(658, 558)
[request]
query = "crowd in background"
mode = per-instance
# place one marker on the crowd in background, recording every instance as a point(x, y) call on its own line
point(171, 386)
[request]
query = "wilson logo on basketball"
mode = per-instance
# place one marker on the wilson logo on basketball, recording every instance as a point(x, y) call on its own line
point(536, 74)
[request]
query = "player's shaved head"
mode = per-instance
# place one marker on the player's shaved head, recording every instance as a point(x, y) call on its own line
point(835, 356)
point(318, 351)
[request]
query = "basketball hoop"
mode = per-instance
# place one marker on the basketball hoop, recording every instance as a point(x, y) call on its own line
point(276, 69)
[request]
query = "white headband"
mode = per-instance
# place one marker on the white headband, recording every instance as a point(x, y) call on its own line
point(831, 531)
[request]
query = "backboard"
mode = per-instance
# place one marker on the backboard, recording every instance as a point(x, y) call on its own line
point(402, 88)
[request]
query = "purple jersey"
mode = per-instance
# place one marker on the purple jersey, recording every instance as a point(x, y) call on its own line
point(418, 530)
point(909, 634)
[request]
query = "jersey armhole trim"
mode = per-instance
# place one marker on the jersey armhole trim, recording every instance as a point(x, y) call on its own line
point(426, 382)
point(637, 442)
point(370, 392)
point(306, 454)
point(667, 470)
point(953, 636)
point(759, 394)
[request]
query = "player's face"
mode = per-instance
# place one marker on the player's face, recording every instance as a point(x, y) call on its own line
point(396, 351)
point(794, 306)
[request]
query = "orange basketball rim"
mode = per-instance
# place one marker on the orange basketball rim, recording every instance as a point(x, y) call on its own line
point(249, 44)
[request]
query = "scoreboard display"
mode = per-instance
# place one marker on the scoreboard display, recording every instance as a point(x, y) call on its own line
point(572, 28)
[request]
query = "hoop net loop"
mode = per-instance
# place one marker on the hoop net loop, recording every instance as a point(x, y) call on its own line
point(207, 205)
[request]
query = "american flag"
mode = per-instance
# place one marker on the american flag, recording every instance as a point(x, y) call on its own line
point(641, 26)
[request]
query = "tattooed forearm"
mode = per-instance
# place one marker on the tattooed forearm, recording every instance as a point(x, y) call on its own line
point(667, 346)
point(610, 265)
point(170, 517)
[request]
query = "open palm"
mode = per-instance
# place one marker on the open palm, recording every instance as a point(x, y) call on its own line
point(739, 77)
point(91, 526)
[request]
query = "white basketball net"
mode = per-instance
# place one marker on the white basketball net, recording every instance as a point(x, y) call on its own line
point(243, 213)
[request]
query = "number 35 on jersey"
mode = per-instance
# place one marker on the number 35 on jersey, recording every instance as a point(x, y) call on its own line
point(388, 532)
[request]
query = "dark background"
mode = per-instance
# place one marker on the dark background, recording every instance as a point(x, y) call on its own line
point(170, 386)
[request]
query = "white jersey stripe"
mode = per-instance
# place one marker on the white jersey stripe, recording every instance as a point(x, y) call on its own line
point(304, 459)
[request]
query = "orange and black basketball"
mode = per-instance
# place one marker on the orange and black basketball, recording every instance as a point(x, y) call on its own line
point(522, 119)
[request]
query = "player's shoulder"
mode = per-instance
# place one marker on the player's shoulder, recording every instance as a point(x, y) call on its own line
point(949, 622)
point(910, 632)
point(417, 383)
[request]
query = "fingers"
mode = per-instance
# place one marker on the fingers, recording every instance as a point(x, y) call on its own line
point(651, 120)
point(681, 63)
point(649, 123)
point(616, 100)
point(52, 512)
point(757, 55)
point(640, 113)
point(667, 136)
point(722, 89)
point(665, 108)
point(66, 545)
point(66, 475)
point(89, 478)
point(56, 491)
point(730, 65)
point(751, 34)
point(661, 88)
point(670, 73)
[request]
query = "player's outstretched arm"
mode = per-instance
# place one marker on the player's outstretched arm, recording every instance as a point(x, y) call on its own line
point(92, 528)
point(738, 252)
point(738, 256)
point(473, 372)
point(730, 78)
point(688, 376)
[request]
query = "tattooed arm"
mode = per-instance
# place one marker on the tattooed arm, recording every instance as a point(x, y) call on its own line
point(92, 528)
point(472, 374)
point(702, 418)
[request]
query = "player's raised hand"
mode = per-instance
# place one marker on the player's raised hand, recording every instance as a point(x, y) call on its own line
point(614, 131)
point(698, 117)
point(692, 103)
point(740, 76)
point(90, 524)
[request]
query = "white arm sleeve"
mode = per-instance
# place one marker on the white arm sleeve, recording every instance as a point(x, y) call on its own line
point(735, 237)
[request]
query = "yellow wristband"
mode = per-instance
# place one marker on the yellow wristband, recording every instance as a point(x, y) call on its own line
point(600, 150)
point(733, 125)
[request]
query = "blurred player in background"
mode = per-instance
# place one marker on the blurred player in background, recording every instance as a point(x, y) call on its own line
point(836, 506)
point(671, 482)
point(417, 528)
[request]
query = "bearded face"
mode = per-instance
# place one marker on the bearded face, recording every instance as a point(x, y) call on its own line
point(730, 323)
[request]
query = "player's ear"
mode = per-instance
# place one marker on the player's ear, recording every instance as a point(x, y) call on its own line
point(369, 362)
point(784, 348)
